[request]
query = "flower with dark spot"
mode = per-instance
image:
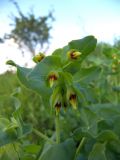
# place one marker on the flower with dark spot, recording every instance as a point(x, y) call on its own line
point(38, 58)
point(58, 107)
point(72, 97)
point(52, 78)
point(73, 100)
point(73, 54)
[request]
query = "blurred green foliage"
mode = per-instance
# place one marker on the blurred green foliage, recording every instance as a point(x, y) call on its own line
point(32, 109)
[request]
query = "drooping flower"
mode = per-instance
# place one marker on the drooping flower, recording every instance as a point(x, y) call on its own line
point(72, 97)
point(52, 78)
point(73, 100)
point(58, 106)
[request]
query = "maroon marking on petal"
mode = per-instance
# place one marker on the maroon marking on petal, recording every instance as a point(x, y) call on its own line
point(72, 55)
point(53, 77)
point(58, 105)
point(73, 97)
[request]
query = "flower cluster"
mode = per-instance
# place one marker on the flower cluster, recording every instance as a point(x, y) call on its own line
point(63, 94)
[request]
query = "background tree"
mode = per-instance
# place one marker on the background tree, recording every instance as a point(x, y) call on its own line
point(29, 32)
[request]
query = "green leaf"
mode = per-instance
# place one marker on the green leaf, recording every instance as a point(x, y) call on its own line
point(86, 75)
point(32, 148)
point(116, 126)
point(90, 119)
point(10, 62)
point(57, 52)
point(72, 67)
point(114, 146)
point(64, 57)
point(107, 135)
point(36, 78)
point(106, 111)
point(98, 152)
point(3, 122)
point(81, 157)
point(34, 81)
point(8, 136)
point(12, 133)
point(13, 129)
point(8, 152)
point(62, 151)
point(112, 155)
point(81, 132)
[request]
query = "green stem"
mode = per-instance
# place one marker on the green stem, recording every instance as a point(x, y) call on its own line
point(79, 147)
point(16, 151)
point(66, 65)
point(38, 133)
point(57, 129)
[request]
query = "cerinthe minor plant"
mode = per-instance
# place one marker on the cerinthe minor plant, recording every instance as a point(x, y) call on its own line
point(70, 85)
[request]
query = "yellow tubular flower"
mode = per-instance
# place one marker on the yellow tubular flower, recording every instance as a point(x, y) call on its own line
point(58, 107)
point(73, 100)
point(72, 97)
point(37, 58)
point(73, 54)
point(52, 78)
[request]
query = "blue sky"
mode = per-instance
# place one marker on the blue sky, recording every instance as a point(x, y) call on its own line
point(74, 19)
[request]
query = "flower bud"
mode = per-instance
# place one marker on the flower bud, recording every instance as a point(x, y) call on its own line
point(52, 78)
point(73, 54)
point(37, 58)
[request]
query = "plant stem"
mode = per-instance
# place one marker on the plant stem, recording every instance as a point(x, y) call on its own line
point(79, 147)
point(16, 151)
point(57, 129)
point(66, 65)
point(43, 136)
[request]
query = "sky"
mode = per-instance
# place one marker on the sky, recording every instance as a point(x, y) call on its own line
point(75, 19)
